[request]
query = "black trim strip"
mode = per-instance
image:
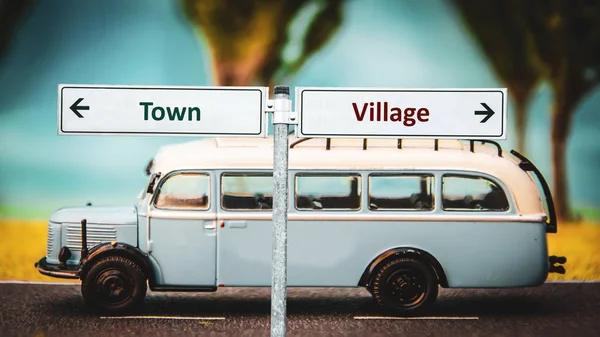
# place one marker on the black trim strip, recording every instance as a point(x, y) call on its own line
point(184, 288)
point(527, 165)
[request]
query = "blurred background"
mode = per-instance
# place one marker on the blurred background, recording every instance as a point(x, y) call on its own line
point(547, 53)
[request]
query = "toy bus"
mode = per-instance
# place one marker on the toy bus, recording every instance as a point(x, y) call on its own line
point(398, 217)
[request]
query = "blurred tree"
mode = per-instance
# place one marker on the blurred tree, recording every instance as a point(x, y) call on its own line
point(11, 12)
point(566, 37)
point(500, 36)
point(247, 38)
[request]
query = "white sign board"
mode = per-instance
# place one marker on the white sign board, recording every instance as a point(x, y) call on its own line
point(401, 113)
point(162, 111)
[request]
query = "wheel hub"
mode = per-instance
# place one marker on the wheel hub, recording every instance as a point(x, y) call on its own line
point(406, 287)
point(114, 286)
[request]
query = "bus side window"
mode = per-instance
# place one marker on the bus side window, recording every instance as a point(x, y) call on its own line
point(322, 191)
point(401, 192)
point(184, 191)
point(247, 191)
point(471, 193)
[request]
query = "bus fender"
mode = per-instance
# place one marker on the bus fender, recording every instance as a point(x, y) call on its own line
point(414, 253)
point(118, 249)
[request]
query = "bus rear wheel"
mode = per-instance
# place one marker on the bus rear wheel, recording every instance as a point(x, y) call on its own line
point(405, 286)
point(114, 285)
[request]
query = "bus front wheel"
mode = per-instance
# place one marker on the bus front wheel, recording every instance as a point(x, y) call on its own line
point(114, 285)
point(405, 286)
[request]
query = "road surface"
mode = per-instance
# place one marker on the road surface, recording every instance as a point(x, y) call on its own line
point(554, 309)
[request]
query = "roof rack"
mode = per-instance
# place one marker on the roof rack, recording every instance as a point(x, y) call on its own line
point(435, 144)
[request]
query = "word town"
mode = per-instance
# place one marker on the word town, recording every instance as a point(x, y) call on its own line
point(173, 114)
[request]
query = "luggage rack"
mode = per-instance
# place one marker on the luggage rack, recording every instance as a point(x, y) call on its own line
point(435, 144)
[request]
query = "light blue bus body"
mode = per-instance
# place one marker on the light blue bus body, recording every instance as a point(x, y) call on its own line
point(191, 248)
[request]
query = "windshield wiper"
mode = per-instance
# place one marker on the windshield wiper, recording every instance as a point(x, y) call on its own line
point(153, 180)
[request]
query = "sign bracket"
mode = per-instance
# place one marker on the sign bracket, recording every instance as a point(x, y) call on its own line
point(282, 113)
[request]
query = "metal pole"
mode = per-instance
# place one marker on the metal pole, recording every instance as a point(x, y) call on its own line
point(281, 114)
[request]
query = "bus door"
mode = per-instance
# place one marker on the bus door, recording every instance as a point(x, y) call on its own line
point(245, 223)
point(183, 235)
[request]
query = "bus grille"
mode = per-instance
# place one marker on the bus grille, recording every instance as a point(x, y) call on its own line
point(50, 244)
point(96, 234)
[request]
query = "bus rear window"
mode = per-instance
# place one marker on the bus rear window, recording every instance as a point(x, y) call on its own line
point(470, 193)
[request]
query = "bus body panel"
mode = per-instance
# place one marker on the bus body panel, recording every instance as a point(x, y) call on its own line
point(244, 253)
point(185, 250)
point(336, 253)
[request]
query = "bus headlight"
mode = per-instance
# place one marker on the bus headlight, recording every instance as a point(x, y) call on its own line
point(64, 255)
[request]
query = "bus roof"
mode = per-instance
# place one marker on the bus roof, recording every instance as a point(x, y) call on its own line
point(257, 153)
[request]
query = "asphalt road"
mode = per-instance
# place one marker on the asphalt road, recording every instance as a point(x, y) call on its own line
point(555, 309)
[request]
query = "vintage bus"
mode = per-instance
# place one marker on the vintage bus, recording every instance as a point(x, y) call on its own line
point(398, 217)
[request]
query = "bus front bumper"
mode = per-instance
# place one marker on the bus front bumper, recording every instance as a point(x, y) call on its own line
point(70, 272)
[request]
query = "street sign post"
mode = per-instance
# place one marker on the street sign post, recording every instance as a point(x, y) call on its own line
point(281, 120)
point(401, 113)
point(162, 111)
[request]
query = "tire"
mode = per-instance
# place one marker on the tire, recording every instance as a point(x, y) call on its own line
point(114, 285)
point(405, 286)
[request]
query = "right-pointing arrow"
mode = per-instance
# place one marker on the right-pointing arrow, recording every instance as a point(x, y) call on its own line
point(75, 107)
point(488, 113)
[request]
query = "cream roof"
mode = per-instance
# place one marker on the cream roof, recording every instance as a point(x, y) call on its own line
point(348, 154)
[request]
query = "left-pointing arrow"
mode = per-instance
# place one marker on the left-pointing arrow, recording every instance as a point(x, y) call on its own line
point(75, 107)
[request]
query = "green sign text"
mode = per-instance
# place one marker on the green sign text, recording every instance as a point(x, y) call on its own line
point(159, 113)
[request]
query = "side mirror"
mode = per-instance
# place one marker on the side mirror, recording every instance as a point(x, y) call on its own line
point(149, 167)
